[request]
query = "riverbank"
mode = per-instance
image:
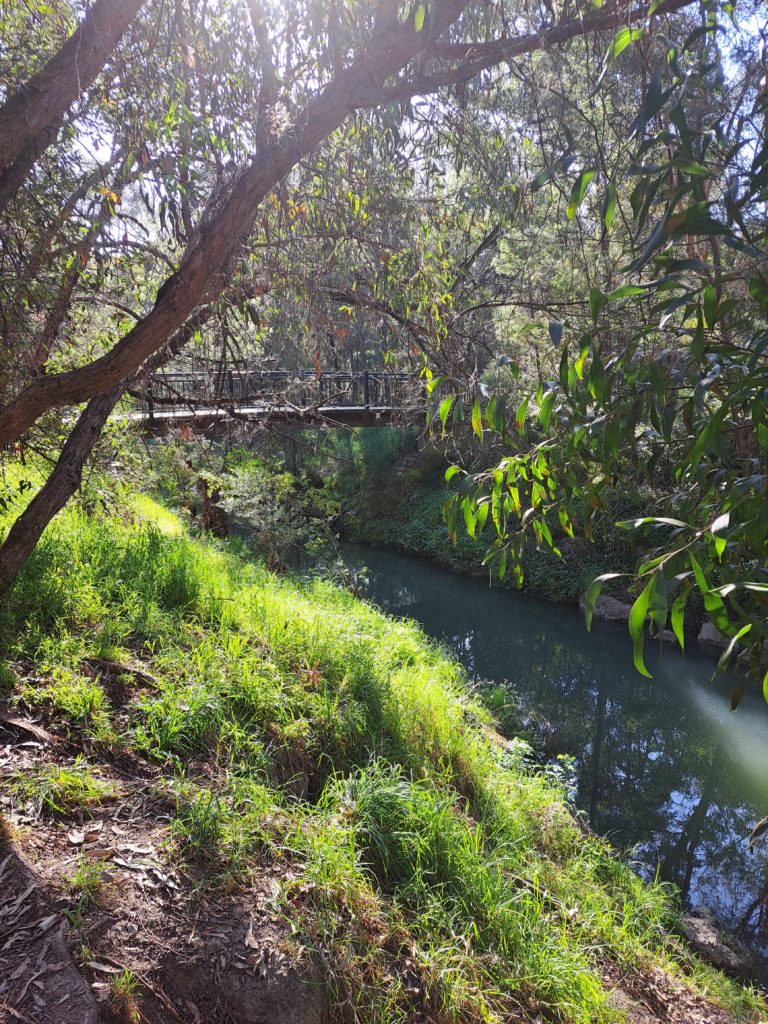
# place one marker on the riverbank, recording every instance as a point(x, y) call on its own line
point(663, 766)
point(402, 511)
point(249, 795)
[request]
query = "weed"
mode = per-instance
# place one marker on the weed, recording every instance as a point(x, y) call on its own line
point(123, 1006)
point(79, 699)
point(7, 679)
point(85, 881)
point(60, 788)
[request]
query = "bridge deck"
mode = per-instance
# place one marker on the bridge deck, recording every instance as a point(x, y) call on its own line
point(162, 420)
point(301, 397)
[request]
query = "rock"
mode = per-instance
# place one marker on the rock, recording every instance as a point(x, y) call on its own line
point(710, 636)
point(609, 609)
point(704, 932)
point(666, 636)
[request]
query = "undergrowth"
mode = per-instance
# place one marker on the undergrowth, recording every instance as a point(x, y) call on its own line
point(432, 870)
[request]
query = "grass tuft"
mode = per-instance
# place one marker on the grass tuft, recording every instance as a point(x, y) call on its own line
point(59, 789)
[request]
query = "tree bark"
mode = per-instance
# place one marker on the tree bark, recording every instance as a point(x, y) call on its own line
point(30, 119)
point(357, 86)
point(67, 475)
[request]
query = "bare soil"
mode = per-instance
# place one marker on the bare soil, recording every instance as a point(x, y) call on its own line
point(197, 954)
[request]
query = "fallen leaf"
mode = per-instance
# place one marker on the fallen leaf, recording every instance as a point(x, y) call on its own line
point(93, 830)
point(104, 968)
point(76, 837)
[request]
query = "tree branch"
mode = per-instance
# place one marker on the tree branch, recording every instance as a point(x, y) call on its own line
point(31, 118)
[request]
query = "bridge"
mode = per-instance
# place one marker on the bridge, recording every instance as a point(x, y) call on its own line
point(203, 398)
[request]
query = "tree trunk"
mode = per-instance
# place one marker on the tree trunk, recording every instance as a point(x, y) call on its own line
point(59, 487)
point(68, 472)
point(30, 119)
point(359, 86)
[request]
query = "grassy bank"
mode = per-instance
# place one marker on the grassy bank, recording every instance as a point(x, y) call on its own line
point(292, 728)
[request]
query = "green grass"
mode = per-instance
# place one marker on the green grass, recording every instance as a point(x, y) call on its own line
point(61, 788)
point(430, 870)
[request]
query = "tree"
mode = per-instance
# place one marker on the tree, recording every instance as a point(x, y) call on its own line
point(215, 162)
point(664, 373)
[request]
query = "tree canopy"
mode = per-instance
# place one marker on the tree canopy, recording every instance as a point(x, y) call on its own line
point(555, 212)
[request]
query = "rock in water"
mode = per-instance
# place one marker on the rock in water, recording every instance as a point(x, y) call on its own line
point(704, 932)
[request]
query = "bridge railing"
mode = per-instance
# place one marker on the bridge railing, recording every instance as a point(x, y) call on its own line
point(302, 389)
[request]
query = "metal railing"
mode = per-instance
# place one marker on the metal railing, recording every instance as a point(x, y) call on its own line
point(223, 387)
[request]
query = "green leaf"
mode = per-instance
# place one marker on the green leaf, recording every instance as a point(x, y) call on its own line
point(542, 178)
point(593, 592)
point(654, 99)
point(445, 408)
point(522, 409)
point(725, 657)
point(596, 381)
point(563, 372)
point(419, 16)
point(565, 522)
point(545, 410)
point(469, 517)
point(477, 419)
point(449, 513)
point(637, 618)
point(678, 616)
point(451, 472)
point(657, 606)
point(609, 206)
point(691, 167)
point(710, 306)
point(579, 190)
point(621, 41)
point(490, 413)
point(624, 291)
point(765, 687)
point(713, 603)
point(618, 44)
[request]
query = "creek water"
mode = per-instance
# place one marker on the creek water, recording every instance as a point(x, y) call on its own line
point(663, 767)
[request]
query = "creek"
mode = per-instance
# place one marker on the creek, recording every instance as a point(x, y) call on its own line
point(663, 767)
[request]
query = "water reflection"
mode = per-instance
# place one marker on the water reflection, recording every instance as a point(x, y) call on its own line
point(664, 766)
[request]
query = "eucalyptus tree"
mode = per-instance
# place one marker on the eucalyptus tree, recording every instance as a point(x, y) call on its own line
point(662, 370)
point(205, 112)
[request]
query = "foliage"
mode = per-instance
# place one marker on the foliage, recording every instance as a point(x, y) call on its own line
point(287, 518)
point(407, 515)
point(59, 788)
point(295, 723)
point(664, 373)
